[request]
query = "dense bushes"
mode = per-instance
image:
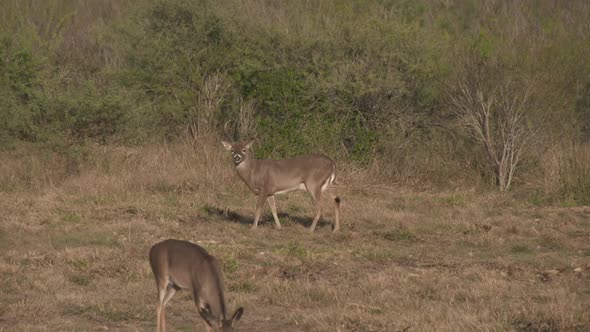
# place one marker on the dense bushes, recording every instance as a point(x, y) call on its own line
point(304, 96)
point(367, 82)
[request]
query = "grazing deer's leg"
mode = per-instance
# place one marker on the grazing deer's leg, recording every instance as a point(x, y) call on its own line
point(159, 315)
point(271, 202)
point(259, 206)
point(169, 293)
point(160, 306)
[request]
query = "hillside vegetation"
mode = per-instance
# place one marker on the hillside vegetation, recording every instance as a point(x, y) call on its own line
point(374, 84)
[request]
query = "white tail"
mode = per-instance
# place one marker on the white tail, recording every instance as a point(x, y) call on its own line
point(183, 265)
point(265, 178)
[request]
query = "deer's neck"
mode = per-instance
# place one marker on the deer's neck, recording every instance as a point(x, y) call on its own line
point(211, 292)
point(246, 171)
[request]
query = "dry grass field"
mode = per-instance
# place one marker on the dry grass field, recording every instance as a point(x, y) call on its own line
point(74, 244)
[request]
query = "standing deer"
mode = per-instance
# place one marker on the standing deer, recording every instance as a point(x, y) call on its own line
point(265, 178)
point(184, 265)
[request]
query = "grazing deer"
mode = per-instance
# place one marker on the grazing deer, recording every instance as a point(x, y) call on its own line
point(266, 178)
point(184, 265)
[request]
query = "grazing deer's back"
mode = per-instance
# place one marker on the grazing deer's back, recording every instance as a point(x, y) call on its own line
point(181, 261)
point(183, 265)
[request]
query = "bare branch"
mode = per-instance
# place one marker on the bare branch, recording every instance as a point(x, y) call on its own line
point(496, 116)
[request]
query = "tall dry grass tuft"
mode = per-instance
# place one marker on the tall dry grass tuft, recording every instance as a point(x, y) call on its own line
point(438, 164)
point(30, 168)
point(566, 173)
point(176, 167)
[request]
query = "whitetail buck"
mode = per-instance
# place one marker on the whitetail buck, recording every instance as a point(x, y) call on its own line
point(266, 178)
point(183, 265)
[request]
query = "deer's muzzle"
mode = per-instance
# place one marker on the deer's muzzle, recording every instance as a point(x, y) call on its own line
point(237, 159)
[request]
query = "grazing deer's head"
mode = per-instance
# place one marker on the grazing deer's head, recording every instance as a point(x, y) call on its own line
point(240, 152)
point(222, 324)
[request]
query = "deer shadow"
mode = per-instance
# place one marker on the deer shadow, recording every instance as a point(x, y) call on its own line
point(301, 220)
point(227, 214)
point(233, 216)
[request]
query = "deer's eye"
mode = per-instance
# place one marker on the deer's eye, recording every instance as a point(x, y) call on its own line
point(243, 150)
point(232, 151)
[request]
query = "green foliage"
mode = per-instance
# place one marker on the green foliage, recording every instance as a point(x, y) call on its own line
point(520, 249)
point(311, 92)
point(582, 109)
point(80, 280)
point(86, 113)
point(362, 81)
point(399, 235)
point(245, 287)
point(71, 218)
point(281, 109)
point(19, 84)
point(229, 265)
point(37, 101)
point(293, 249)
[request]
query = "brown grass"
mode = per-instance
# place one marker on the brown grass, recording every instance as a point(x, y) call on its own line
point(73, 251)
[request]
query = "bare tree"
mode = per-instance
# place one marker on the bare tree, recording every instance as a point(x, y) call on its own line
point(494, 109)
point(247, 122)
point(210, 94)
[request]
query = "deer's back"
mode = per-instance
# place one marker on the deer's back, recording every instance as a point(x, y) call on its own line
point(301, 167)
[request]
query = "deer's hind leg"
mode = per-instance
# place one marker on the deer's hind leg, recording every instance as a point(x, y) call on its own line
point(170, 291)
point(316, 193)
point(164, 296)
point(159, 306)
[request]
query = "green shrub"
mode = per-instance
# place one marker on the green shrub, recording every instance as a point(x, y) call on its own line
point(362, 81)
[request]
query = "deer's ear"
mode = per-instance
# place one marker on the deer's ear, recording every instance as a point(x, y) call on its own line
point(237, 315)
point(249, 145)
point(226, 145)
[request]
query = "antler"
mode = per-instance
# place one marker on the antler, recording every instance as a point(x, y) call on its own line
point(225, 131)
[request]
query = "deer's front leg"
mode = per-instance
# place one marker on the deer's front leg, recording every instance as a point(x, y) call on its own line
point(259, 206)
point(273, 208)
